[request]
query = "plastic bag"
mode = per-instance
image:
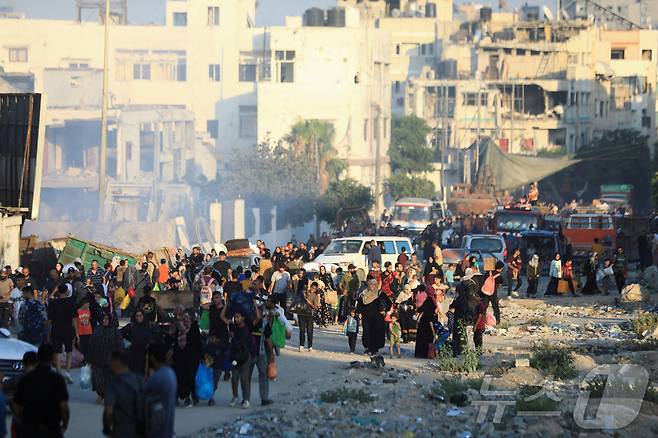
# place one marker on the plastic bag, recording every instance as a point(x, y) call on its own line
point(125, 302)
point(85, 377)
point(278, 334)
point(271, 370)
point(491, 320)
point(204, 320)
point(203, 383)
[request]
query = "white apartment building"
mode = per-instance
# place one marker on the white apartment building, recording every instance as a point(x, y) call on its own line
point(242, 84)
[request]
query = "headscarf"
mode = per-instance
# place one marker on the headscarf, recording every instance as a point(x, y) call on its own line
point(370, 295)
point(104, 342)
point(406, 293)
point(534, 261)
point(184, 326)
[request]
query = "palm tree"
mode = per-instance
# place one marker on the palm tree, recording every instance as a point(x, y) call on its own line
point(314, 140)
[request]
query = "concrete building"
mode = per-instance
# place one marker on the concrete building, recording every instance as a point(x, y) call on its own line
point(208, 69)
point(618, 14)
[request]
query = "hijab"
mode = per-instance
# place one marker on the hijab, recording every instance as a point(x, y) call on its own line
point(405, 294)
point(370, 295)
point(534, 261)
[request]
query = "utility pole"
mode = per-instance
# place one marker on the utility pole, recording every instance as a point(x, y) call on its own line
point(102, 183)
point(378, 142)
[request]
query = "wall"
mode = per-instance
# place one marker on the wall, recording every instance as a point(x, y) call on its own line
point(10, 234)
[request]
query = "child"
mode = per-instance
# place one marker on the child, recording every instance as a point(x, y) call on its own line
point(241, 354)
point(395, 334)
point(84, 327)
point(450, 274)
point(351, 329)
point(214, 357)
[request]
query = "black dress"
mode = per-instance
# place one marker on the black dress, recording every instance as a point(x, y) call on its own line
point(424, 335)
point(406, 311)
point(374, 327)
point(186, 361)
point(140, 336)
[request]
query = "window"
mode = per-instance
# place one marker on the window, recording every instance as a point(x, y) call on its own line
point(647, 55)
point(285, 65)
point(365, 129)
point(617, 53)
point(397, 49)
point(213, 72)
point(470, 99)
point(247, 72)
point(403, 244)
point(389, 247)
point(248, 121)
point(142, 72)
point(427, 49)
point(18, 54)
point(78, 65)
point(213, 15)
point(484, 99)
point(180, 19)
point(212, 126)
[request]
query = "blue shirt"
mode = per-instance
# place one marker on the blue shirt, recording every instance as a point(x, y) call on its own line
point(162, 384)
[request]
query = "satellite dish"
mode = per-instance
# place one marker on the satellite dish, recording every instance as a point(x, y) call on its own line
point(547, 13)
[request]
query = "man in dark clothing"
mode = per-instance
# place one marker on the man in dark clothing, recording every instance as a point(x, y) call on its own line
point(41, 399)
point(196, 261)
point(121, 398)
point(29, 280)
point(219, 327)
point(62, 315)
point(52, 282)
point(78, 286)
point(95, 274)
point(620, 267)
point(302, 253)
point(221, 266)
point(374, 254)
point(162, 385)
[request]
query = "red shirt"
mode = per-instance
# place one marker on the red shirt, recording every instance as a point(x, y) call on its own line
point(84, 322)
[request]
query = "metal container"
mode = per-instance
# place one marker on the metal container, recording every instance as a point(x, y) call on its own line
point(336, 17)
point(314, 17)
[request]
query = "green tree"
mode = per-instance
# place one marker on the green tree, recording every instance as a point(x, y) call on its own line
point(400, 186)
point(313, 140)
point(343, 194)
point(408, 151)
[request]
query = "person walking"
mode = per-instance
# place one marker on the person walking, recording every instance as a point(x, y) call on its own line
point(555, 274)
point(63, 316)
point(305, 319)
point(589, 271)
point(6, 286)
point(533, 273)
point(262, 334)
point(161, 386)
point(395, 335)
point(122, 396)
point(567, 275)
point(32, 318)
point(620, 266)
point(372, 309)
point(351, 329)
point(241, 354)
point(279, 284)
point(140, 333)
point(485, 298)
point(103, 343)
point(187, 352)
point(516, 263)
point(41, 399)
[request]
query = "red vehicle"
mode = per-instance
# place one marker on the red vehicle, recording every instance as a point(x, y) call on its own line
point(581, 230)
point(516, 220)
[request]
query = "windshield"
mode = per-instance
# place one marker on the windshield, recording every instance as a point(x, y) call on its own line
point(343, 247)
point(487, 245)
point(544, 247)
point(411, 213)
point(515, 222)
point(239, 261)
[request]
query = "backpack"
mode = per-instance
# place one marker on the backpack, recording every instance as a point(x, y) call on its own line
point(33, 320)
point(468, 301)
point(489, 286)
point(150, 414)
point(206, 290)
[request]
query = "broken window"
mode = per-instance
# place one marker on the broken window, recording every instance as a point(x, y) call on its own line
point(17, 54)
point(213, 15)
point(647, 55)
point(470, 99)
point(617, 54)
point(248, 121)
point(445, 101)
point(427, 49)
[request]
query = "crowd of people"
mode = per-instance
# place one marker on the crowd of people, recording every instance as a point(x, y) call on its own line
point(238, 320)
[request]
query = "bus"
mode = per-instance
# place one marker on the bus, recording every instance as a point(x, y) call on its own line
point(412, 214)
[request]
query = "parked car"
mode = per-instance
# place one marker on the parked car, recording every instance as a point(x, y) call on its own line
point(341, 252)
point(487, 243)
point(11, 354)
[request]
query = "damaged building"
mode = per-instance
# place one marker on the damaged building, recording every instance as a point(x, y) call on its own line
point(153, 151)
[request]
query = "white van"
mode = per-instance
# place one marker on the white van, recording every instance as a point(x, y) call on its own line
point(341, 252)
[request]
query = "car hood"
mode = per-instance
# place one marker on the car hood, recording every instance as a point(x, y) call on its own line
point(13, 349)
point(339, 259)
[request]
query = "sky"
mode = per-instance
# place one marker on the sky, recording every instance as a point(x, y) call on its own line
point(270, 12)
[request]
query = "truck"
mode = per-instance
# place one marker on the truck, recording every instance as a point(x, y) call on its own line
point(619, 197)
point(515, 220)
point(412, 214)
